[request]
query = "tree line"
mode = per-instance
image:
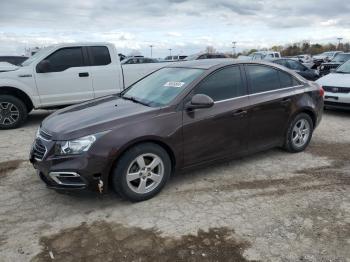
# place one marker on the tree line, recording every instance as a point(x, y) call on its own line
point(303, 48)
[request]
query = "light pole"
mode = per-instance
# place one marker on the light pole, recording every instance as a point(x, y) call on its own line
point(233, 48)
point(339, 40)
point(170, 51)
point(151, 46)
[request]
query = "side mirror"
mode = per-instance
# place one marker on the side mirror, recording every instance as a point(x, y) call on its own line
point(200, 101)
point(43, 66)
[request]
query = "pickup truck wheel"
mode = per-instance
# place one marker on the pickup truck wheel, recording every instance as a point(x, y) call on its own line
point(141, 172)
point(13, 112)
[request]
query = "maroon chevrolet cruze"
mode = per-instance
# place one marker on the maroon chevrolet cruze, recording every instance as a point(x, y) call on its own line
point(181, 116)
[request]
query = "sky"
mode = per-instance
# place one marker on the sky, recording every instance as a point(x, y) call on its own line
point(185, 26)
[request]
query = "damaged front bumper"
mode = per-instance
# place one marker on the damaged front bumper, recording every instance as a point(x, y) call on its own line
point(75, 172)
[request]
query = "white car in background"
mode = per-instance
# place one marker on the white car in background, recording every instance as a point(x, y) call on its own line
point(337, 87)
point(326, 56)
point(261, 55)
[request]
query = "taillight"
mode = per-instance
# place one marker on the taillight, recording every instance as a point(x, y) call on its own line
point(321, 91)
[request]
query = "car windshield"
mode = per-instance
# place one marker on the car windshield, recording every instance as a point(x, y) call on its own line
point(161, 87)
point(340, 58)
point(344, 68)
point(35, 56)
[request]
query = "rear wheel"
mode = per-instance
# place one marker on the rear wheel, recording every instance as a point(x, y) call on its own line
point(299, 133)
point(141, 172)
point(13, 112)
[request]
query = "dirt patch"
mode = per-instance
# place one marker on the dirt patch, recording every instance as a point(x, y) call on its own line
point(8, 166)
point(333, 177)
point(334, 151)
point(339, 170)
point(102, 241)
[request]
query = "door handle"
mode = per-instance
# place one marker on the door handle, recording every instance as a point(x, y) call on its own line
point(239, 112)
point(286, 101)
point(84, 74)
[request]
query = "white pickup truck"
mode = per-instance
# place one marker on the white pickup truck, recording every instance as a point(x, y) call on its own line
point(62, 75)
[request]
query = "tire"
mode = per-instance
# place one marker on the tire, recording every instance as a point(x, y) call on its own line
point(13, 112)
point(133, 174)
point(299, 133)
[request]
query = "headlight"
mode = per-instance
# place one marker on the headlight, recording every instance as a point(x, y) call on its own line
point(76, 146)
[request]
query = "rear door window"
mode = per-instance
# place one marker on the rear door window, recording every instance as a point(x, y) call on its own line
point(100, 55)
point(285, 79)
point(262, 78)
point(223, 84)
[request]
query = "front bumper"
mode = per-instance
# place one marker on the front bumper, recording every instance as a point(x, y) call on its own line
point(75, 172)
point(337, 100)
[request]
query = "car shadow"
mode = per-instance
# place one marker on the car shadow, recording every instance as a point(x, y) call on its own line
point(337, 112)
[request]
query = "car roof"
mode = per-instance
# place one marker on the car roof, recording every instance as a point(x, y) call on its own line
point(211, 63)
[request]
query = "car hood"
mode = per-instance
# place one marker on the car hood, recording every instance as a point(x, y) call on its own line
point(95, 116)
point(4, 66)
point(335, 79)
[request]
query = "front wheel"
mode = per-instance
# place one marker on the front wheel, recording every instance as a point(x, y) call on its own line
point(13, 112)
point(141, 172)
point(299, 133)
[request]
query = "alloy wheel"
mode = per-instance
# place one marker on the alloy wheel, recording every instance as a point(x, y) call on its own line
point(301, 133)
point(9, 113)
point(145, 173)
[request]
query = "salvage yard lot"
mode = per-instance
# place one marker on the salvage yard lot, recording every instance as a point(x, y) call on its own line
point(272, 206)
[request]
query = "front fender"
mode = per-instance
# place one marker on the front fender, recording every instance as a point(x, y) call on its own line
point(23, 81)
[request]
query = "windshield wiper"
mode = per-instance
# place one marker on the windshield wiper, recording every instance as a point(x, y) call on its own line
point(342, 72)
point(135, 100)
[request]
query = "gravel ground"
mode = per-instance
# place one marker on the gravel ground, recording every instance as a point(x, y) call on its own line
point(272, 206)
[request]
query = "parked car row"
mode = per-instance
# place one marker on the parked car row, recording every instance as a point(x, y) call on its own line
point(298, 67)
point(326, 67)
point(337, 87)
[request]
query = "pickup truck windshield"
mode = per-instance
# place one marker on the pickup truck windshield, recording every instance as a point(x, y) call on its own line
point(161, 87)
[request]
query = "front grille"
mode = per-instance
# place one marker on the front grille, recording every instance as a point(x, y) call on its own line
point(329, 67)
point(44, 134)
point(335, 89)
point(39, 150)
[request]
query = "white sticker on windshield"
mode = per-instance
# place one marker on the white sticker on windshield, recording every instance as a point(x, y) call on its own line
point(174, 84)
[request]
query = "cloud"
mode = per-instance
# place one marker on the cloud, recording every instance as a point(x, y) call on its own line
point(174, 34)
point(186, 25)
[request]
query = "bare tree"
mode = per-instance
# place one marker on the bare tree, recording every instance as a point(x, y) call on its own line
point(210, 50)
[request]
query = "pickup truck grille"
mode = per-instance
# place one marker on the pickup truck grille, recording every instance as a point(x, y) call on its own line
point(334, 89)
point(39, 150)
point(44, 135)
